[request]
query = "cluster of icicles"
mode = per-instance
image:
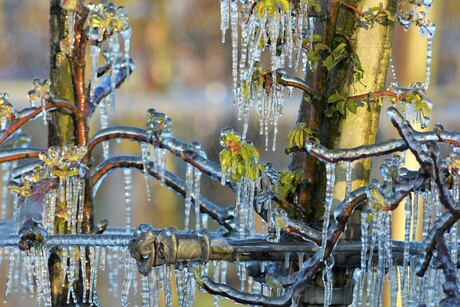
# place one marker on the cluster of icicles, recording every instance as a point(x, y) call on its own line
point(106, 24)
point(59, 178)
point(263, 23)
point(418, 17)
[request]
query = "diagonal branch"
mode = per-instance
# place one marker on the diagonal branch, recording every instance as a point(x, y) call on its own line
point(24, 116)
point(105, 87)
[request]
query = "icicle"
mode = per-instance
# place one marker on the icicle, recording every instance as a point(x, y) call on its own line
point(223, 272)
point(28, 270)
point(241, 267)
point(363, 268)
point(113, 267)
point(95, 50)
point(188, 194)
point(225, 16)
point(44, 112)
point(93, 272)
point(145, 161)
point(160, 163)
point(330, 182)
point(393, 280)
point(406, 255)
point(204, 220)
point(234, 28)
point(327, 281)
point(64, 261)
point(43, 276)
point(286, 260)
point(394, 82)
point(167, 285)
point(81, 202)
point(6, 168)
point(180, 284)
point(429, 55)
point(71, 274)
point(83, 272)
point(145, 291)
point(348, 178)
point(114, 46)
point(370, 273)
point(126, 281)
point(197, 193)
point(103, 105)
point(128, 197)
point(9, 276)
point(153, 289)
point(50, 202)
point(126, 33)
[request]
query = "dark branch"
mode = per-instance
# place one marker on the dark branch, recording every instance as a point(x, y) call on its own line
point(105, 87)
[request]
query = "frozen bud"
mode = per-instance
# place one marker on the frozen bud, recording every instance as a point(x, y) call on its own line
point(68, 4)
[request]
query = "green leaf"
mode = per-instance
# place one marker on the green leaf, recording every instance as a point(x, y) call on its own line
point(340, 106)
point(322, 47)
point(225, 158)
point(374, 9)
point(351, 106)
point(339, 50)
point(335, 98)
point(328, 63)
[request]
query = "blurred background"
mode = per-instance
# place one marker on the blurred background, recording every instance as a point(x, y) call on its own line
point(184, 70)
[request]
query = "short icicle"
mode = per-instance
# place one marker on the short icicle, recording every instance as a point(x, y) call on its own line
point(188, 194)
point(128, 197)
point(83, 273)
point(196, 195)
point(95, 50)
point(145, 161)
point(330, 182)
point(126, 281)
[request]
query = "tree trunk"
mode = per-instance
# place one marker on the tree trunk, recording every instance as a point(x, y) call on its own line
point(373, 48)
point(67, 83)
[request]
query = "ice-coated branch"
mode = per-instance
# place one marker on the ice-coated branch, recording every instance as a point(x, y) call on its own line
point(171, 181)
point(437, 170)
point(440, 227)
point(374, 150)
point(105, 87)
point(27, 114)
point(444, 262)
point(14, 154)
point(406, 132)
point(402, 190)
point(176, 147)
point(292, 81)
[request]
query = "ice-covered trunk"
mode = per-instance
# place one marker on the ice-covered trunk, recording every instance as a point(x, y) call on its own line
point(349, 130)
point(62, 130)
